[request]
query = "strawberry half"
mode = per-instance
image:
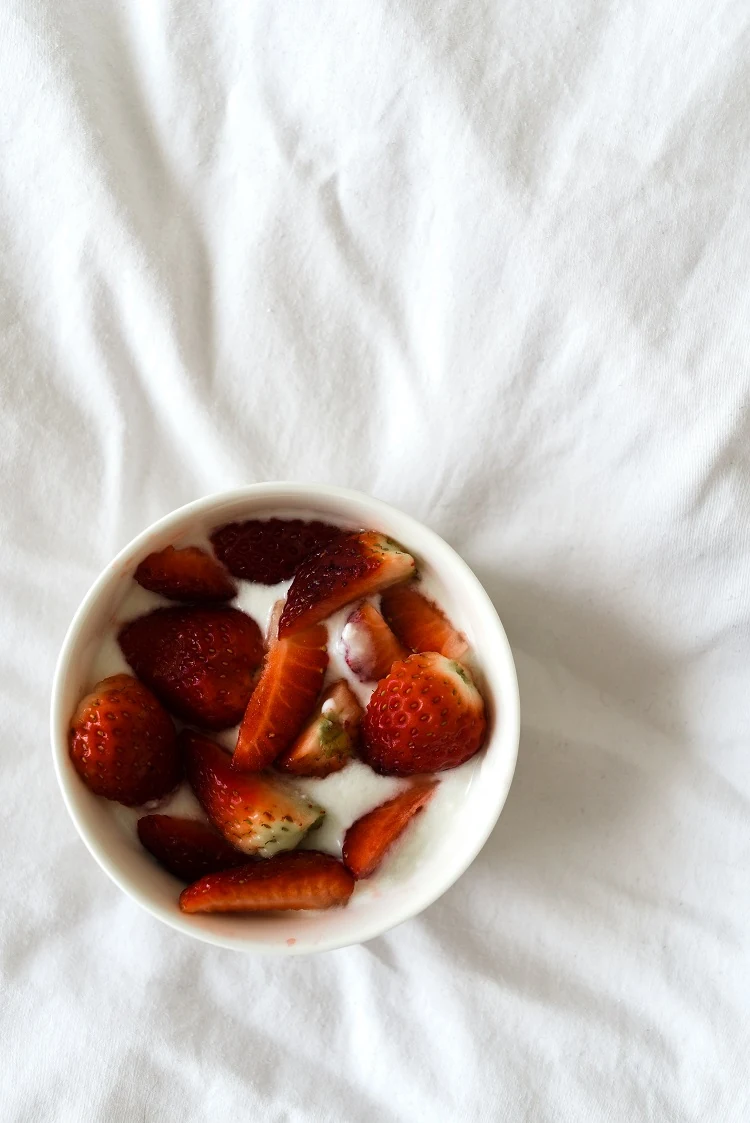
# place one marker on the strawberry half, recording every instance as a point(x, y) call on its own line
point(420, 624)
point(270, 550)
point(284, 698)
point(190, 574)
point(199, 661)
point(187, 848)
point(368, 840)
point(370, 647)
point(329, 740)
point(257, 814)
point(425, 716)
point(350, 567)
point(272, 628)
point(123, 744)
point(303, 880)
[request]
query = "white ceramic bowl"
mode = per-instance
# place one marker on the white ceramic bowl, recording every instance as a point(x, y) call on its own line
point(292, 933)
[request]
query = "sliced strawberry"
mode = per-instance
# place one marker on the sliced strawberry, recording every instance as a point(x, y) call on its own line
point(189, 574)
point(420, 624)
point(425, 716)
point(198, 660)
point(270, 550)
point(257, 814)
point(368, 840)
point(272, 628)
point(329, 740)
point(284, 698)
point(370, 647)
point(187, 848)
point(351, 567)
point(123, 743)
point(303, 880)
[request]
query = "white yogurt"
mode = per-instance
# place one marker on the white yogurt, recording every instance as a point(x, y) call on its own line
point(345, 795)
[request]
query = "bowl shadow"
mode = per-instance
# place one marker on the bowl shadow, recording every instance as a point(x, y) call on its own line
point(601, 740)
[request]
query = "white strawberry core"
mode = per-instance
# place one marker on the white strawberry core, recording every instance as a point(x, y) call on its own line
point(357, 645)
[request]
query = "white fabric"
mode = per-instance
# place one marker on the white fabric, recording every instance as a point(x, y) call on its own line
point(489, 262)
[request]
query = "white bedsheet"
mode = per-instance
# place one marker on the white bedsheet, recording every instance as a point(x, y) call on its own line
point(488, 262)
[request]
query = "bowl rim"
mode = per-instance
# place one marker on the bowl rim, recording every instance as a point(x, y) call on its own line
point(289, 493)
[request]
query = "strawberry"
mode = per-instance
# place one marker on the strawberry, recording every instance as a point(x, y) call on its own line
point(257, 814)
point(190, 574)
point(305, 879)
point(425, 716)
point(198, 660)
point(350, 567)
point(284, 698)
point(270, 550)
point(272, 628)
point(420, 624)
point(370, 647)
point(328, 741)
point(187, 848)
point(123, 744)
point(368, 840)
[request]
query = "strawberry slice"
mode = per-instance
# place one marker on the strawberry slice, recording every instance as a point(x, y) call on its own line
point(426, 715)
point(257, 814)
point(420, 624)
point(187, 848)
point(350, 567)
point(284, 698)
point(272, 628)
point(370, 647)
point(199, 661)
point(123, 744)
point(189, 574)
point(303, 880)
point(328, 741)
point(270, 550)
point(368, 840)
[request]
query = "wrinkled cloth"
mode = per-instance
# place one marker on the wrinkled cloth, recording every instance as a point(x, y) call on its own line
point(487, 262)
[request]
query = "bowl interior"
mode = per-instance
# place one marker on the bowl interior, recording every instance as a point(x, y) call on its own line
point(428, 864)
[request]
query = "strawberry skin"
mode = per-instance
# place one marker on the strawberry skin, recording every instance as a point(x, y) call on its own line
point(190, 574)
point(350, 567)
point(270, 550)
point(257, 814)
point(123, 744)
point(420, 624)
point(187, 848)
point(283, 700)
point(425, 716)
point(368, 840)
point(370, 647)
point(305, 879)
point(329, 740)
point(198, 660)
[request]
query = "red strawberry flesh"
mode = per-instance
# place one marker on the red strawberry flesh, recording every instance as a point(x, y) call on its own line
point(370, 647)
point(349, 568)
point(369, 839)
point(329, 740)
point(283, 700)
point(198, 660)
point(303, 880)
point(257, 813)
point(123, 744)
point(420, 624)
point(188, 574)
point(425, 716)
point(270, 550)
point(187, 848)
